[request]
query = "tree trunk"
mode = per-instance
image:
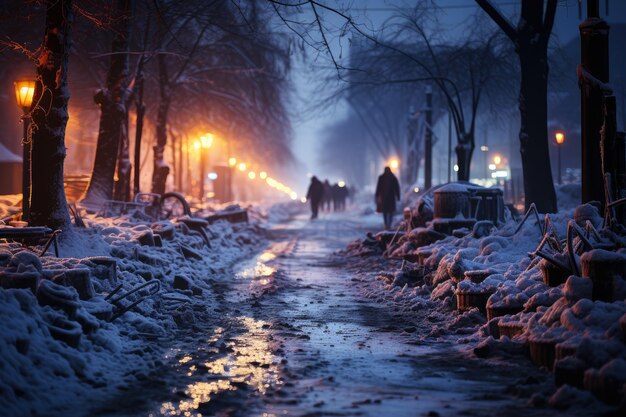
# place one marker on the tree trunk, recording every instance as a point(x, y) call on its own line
point(122, 185)
point(141, 110)
point(161, 169)
point(113, 114)
point(49, 118)
point(538, 182)
point(464, 151)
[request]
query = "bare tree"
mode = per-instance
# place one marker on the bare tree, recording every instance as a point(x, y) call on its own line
point(531, 44)
point(112, 147)
point(49, 119)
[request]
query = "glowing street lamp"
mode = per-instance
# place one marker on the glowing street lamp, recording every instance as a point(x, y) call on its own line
point(497, 160)
point(232, 162)
point(262, 175)
point(394, 163)
point(24, 92)
point(242, 167)
point(252, 175)
point(202, 145)
point(559, 137)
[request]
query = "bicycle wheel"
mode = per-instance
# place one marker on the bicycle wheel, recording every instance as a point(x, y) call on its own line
point(174, 205)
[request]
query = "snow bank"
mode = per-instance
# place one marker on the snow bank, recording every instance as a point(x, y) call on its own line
point(62, 337)
point(566, 320)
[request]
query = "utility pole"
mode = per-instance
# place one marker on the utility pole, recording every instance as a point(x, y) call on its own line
point(428, 140)
point(594, 67)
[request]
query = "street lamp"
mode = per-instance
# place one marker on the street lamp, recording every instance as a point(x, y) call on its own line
point(202, 145)
point(559, 136)
point(24, 92)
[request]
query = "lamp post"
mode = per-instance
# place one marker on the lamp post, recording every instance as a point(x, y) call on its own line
point(24, 92)
point(559, 136)
point(203, 145)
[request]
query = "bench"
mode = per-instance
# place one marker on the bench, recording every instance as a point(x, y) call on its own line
point(34, 232)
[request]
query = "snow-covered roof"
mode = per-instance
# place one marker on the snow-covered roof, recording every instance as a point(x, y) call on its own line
point(7, 156)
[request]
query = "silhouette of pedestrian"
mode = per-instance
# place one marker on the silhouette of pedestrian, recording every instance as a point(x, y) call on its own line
point(387, 192)
point(314, 195)
point(336, 193)
point(327, 199)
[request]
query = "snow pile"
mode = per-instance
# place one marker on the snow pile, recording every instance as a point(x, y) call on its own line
point(501, 274)
point(82, 320)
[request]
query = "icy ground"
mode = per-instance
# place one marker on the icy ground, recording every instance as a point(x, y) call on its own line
point(293, 334)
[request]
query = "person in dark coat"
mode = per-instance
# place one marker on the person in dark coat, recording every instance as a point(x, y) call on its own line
point(387, 192)
point(314, 195)
point(327, 199)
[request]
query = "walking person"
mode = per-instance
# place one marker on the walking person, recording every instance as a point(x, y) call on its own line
point(387, 193)
point(314, 195)
point(328, 196)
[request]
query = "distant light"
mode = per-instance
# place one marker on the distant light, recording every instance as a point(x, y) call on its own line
point(196, 144)
point(497, 159)
point(456, 168)
point(232, 162)
point(293, 195)
point(559, 136)
point(262, 175)
point(303, 199)
point(206, 140)
point(484, 148)
point(210, 194)
point(212, 176)
point(492, 167)
point(251, 175)
point(242, 167)
point(416, 189)
point(394, 163)
point(341, 184)
point(499, 174)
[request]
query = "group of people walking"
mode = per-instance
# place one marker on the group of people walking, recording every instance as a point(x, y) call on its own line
point(323, 195)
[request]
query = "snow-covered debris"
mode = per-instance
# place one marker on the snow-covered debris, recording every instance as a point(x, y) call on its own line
point(573, 324)
point(82, 320)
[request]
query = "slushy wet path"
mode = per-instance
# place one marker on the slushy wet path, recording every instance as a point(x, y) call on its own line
point(293, 336)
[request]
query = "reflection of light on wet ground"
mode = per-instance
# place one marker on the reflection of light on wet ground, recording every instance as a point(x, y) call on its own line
point(251, 362)
point(267, 256)
point(258, 268)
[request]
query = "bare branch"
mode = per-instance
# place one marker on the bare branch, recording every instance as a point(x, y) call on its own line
point(499, 19)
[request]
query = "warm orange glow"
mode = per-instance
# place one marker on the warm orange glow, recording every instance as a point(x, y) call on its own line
point(262, 175)
point(394, 163)
point(24, 92)
point(251, 175)
point(497, 159)
point(232, 162)
point(206, 140)
point(242, 167)
point(197, 145)
point(560, 137)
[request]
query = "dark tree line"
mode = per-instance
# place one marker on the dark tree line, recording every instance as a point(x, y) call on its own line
point(182, 65)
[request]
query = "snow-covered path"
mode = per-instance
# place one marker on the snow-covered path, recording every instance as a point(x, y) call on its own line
point(293, 336)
